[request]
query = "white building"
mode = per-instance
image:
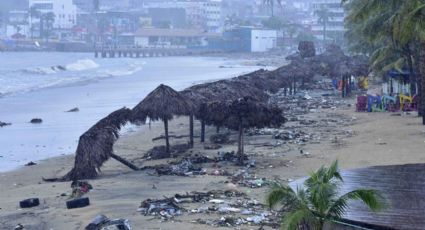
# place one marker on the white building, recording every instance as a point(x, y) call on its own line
point(199, 13)
point(335, 26)
point(263, 40)
point(64, 10)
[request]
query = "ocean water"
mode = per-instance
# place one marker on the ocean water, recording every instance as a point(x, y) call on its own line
point(45, 85)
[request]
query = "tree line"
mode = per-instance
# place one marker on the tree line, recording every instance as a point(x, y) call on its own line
point(392, 34)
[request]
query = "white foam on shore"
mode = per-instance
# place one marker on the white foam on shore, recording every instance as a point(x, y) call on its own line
point(83, 64)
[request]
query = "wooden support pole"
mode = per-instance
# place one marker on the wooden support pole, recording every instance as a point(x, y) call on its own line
point(125, 162)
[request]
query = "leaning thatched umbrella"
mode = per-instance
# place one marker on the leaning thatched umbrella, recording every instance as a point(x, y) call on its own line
point(96, 146)
point(162, 104)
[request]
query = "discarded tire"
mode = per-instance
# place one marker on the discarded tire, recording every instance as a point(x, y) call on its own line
point(28, 203)
point(78, 203)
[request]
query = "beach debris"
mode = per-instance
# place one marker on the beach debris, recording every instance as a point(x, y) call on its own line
point(212, 146)
point(36, 121)
point(30, 163)
point(166, 208)
point(101, 222)
point(19, 227)
point(183, 168)
point(29, 203)
point(220, 138)
point(4, 124)
point(78, 203)
point(246, 179)
point(76, 109)
point(160, 152)
point(79, 188)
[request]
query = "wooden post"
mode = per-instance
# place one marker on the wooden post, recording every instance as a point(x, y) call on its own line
point(125, 162)
point(191, 130)
point(202, 131)
point(295, 85)
point(167, 143)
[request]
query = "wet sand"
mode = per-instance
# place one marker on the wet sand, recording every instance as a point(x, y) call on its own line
point(375, 139)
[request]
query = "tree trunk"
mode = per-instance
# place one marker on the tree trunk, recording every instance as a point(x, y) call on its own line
point(217, 129)
point(202, 131)
point(191, 130)
point(416, 58)
point(240, 145)
point(324, 35)
point(422, 72)
point(167, 143)
point(125, 162)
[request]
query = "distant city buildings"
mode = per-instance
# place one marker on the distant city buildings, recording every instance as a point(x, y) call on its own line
point(259, 25)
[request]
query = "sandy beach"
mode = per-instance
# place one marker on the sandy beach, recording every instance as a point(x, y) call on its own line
point(363, 139)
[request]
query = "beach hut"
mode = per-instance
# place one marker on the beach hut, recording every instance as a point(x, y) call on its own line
point(163, 104)
point(397, 82)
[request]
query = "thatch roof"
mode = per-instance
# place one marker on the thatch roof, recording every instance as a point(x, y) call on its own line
point(162, 104)
point(252, 113)
point(96, 146)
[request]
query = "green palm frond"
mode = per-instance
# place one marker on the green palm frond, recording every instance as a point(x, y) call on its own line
point(373, 199)
point(281, 194)
point(293, 220)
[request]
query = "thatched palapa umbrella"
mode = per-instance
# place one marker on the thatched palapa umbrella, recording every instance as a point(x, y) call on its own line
point(96, 146)
point(241, 114)
point(162, 104)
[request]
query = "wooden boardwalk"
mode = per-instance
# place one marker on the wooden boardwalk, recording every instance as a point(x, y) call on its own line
point(403, 186)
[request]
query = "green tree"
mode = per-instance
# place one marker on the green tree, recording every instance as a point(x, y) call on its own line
point(33, 13)
point(319, 200)
point(46, 25)
point(324, 16)
point(271, 4)
point(390, 31)
point(272, 23)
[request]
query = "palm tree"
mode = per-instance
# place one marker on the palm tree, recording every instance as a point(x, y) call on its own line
point(271, 4)
point(318, 201)
point(324, 15)
point(33, 13)
point(46, 24)
point(390, 31)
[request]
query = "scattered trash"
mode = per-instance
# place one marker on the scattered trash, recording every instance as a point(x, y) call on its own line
point(19, 227)
point(220, 138)
point(30, 163)
point(79, 188)
point(4, 124)
point(36, 121)
point(101, 222)
point(76, 109)
point(159, 152)
point(29, 203)
point(78, 203)
point(212, 146)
